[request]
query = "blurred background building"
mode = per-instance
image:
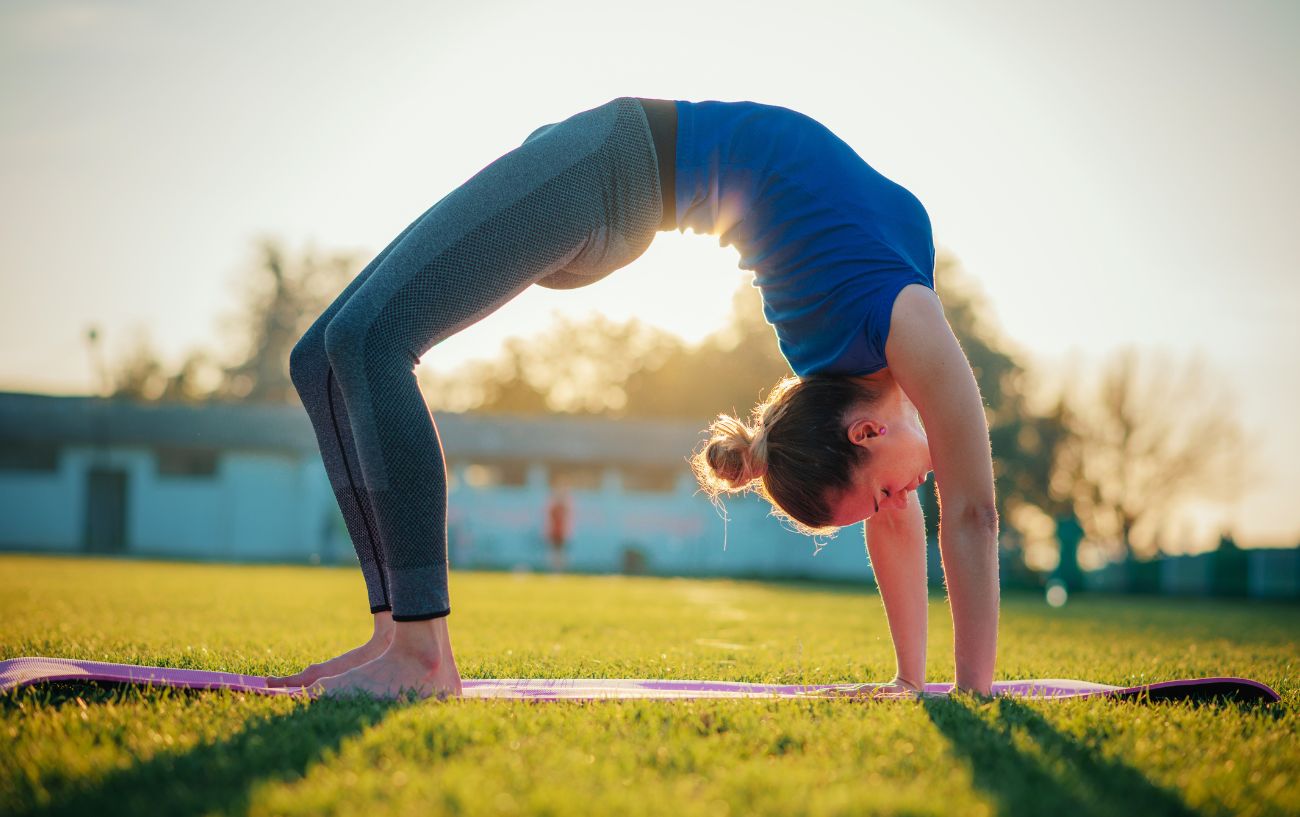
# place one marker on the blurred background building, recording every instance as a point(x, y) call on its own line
point(244, 482)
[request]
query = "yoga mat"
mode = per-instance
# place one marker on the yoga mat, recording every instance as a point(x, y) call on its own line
point(20, 672)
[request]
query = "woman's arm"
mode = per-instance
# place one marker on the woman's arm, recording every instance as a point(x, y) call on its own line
point(896, 543)
point(929, 365)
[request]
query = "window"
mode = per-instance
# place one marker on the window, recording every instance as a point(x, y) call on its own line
point(650, 478)
point(186, 462)
point(496, 474)
point(578, 476)
point(26, 455)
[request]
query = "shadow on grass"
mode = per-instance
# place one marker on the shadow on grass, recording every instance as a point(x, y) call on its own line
point(1029, 767)
point(219, 777)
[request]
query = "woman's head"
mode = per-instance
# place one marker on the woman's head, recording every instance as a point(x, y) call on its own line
point(824, 450)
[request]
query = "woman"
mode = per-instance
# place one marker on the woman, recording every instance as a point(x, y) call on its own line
point(844, 261)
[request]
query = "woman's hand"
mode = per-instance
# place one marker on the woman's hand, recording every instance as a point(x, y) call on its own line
point(895, 688)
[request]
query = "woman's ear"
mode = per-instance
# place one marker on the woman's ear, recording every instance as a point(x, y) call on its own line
point(863, 431)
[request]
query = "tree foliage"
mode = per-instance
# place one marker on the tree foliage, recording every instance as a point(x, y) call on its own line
point(140, 374)
point(1120, 457)
point(574, 367)
point(1151, 434)
point(279, 296)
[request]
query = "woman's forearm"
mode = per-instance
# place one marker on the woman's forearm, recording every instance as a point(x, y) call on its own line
point(896, 544)
point(968, 545)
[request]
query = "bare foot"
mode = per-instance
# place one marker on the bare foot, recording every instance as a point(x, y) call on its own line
point(418, 662)
point(369, 651)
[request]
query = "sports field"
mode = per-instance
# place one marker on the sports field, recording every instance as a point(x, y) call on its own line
point(82, 750)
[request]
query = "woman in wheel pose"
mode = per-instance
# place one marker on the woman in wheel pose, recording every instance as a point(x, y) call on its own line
point(844, 259)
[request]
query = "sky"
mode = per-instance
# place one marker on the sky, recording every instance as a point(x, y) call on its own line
point(1110, 173)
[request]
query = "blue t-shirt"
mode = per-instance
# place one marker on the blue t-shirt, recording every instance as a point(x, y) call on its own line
point(831, 241)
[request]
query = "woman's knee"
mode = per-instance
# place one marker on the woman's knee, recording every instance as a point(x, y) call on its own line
point(307, 361)
point(355, 351)
point(343, 341)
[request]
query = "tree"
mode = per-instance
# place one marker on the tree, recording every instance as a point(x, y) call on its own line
point(494, 386)
point(729, 371)
point(629, 369)
point(194, 380)
point(280, 299)
point(139, 374)
point(1153, 434)
point(571, 367)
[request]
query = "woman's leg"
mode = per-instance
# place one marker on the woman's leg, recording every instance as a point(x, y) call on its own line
point(309, 368)
point(310, 371)
point(574, 202)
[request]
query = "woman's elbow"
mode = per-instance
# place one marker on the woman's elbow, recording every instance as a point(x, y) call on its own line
point(978, 516)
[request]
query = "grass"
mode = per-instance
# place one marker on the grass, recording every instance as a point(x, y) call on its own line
point(92, 750)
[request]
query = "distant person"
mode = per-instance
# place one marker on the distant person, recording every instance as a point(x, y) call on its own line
point(844, 260)
point(559, 523)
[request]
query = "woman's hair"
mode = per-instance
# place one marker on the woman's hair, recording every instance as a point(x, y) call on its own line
point(794, 453)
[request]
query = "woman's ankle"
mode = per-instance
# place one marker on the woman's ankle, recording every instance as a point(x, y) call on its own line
point(428, 640)
point(384, 628)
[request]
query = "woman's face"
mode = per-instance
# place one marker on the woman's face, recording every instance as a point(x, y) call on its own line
point(898, 465)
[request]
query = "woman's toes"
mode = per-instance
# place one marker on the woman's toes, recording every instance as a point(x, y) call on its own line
point(295, 680)
point(325, 669)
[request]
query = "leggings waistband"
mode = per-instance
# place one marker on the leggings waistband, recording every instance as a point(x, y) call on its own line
point(662, 116)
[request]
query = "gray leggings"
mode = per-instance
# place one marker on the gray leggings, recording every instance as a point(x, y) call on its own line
point(577, 200)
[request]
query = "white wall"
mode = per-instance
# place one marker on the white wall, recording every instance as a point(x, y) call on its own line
point(42, 510)
point(174, 515)
point(256, 506)
point(273, 506)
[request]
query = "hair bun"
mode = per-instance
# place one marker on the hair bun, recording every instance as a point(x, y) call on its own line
point(735, 452)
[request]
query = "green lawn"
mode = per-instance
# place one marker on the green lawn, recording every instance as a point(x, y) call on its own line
point(84, 750)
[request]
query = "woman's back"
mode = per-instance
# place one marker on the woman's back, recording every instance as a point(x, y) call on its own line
point(831, 241)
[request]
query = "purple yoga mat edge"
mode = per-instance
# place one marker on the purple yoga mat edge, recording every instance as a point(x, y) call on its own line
point(540, 688)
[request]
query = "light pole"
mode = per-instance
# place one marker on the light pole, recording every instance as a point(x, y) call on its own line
point(99, 370)
point(100, 456)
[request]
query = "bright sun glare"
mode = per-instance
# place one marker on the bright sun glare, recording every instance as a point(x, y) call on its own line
point(682, 284)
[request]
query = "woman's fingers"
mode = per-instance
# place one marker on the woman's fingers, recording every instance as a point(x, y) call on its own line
point(867, 691)
point(296, 680)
